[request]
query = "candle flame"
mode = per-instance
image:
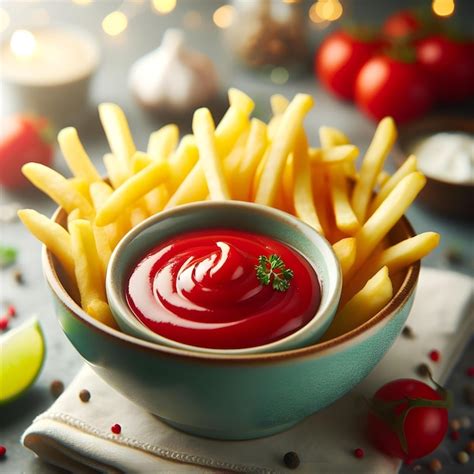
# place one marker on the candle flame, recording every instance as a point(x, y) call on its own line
point(23, 44)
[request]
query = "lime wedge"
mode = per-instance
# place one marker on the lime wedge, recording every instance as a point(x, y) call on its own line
point(22, 353)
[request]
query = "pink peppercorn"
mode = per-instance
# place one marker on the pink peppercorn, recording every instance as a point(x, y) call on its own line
point(3, 323)
point(3, 451)
point(359, 453)
point(435, 355)
point(11, 310)
point(116, 429)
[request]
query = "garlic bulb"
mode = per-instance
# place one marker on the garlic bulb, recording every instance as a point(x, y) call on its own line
point(172, 77)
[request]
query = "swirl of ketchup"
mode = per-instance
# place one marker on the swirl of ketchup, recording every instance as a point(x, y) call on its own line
point(201, 289)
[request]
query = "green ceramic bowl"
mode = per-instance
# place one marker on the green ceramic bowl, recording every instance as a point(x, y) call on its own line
point(232, 396)
point(234, 215)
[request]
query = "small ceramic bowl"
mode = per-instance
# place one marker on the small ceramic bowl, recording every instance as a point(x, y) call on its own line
point(232, 396)
point(445, 197)
point(234, 215)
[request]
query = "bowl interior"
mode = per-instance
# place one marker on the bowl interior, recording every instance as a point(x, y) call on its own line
point(404, 285)
point(235, 215)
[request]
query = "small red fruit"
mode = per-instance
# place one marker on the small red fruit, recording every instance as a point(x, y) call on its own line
point(3, 323)
point(435, 356)
point(359, 453)
point(11, 310)
point(116, 429)
point(3, 451)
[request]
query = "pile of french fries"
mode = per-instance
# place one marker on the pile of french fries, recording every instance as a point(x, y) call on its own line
point(245, 159)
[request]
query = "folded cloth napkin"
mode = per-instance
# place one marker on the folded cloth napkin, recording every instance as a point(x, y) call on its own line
point(77, 436)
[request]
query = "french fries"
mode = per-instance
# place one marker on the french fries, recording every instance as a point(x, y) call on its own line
point(372, 163)
point(377, 292)
point(76, 157)
point(89, 275)
point(241, 158)
point(55, 237)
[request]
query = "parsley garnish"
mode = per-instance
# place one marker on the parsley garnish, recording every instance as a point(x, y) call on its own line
point(272, 270)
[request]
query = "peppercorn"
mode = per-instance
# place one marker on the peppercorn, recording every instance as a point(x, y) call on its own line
point(462, 457)
point(3, 451)
point(435, 465)
point(423, 370)
point(359, 453)
point(291, 460)
point(455, 424)
point(434, 355)
point(408, 332)
point(56, 388)
point(18, 277)
point(11, 310)
point(84, 395)
point(4, 323)
point(116, 429)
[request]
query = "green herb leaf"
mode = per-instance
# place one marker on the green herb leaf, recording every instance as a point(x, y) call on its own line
point(7, 256)
point(272, 269)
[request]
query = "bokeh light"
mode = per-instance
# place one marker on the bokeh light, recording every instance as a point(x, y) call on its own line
point(164, 7)
point(443, 7)
point(325, 10)
point(279, 75)
point(23, 44)
point(192, 19)
point(224, 16)
point(4, 20)
point(115, 23)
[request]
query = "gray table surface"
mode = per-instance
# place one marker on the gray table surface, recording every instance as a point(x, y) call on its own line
point(110, 84)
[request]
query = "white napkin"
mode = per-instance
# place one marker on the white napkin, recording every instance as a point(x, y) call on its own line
point(76, 435)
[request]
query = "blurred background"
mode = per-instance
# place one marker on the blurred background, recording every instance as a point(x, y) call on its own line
point(59, 59)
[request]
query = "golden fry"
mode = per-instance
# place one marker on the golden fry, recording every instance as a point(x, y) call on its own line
point(211, 164)
point(408, 167)
point(182, 162)
point(338, 154)
point(331, 137)
point(58, 188)
point(383, 177)
point(89, 275)
point(131, 191)
point(387, 215)
point(345, 250)
point(377, 292)
point(55, 237)
point(241, 101)
point(232, 125)
point(116, 171)
point(303, 199)
point(117, 132)
point(163, 142)
point(372, 164)
point(76, 157)
point(321, 198)
point(192, 189)
point(82, 187)
point(279, 104)
point(283, 143)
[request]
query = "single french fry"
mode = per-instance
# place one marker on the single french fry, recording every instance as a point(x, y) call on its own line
point(338, 154)
point(279, 104)
point(253, 153)
point(182, 162)
point(117, 132)
point(100, 192)
point(232, 161)
point(321, 197)
point(131, 191)
point(331, 137)
point(88, 270)
point(372, 164)
point(104, 250)
point(163, 142)
point(100, 310)
point(303, 199)
point(345, 250)
point(288, 183)
point(376, 293)
point(288, 128)
point(232, 125)
point(116, 171)
point(395, 258)
point(54, 236)
point(211, 164)
point(382, 178)
point(76, 157)
point(82, 187)
point(58, 188)
point(241, 100)
point(409, 166)
point(73, 215)
point(386, 216)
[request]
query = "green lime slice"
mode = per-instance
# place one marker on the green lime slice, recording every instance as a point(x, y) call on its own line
point(22, 352)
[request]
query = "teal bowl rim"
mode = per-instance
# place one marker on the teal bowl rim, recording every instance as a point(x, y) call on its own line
point(323, 313)
point(320, 349)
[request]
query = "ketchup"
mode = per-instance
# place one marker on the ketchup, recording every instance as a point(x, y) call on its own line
point(201, 288)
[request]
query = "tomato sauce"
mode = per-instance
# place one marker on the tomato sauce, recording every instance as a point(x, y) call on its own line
point(200, 288)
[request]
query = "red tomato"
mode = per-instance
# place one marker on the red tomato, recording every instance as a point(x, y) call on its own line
point(424, 427)
point(339, 60)
point(450, 65)
point(402, 25)
point(22, 139)
point(386, 86)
